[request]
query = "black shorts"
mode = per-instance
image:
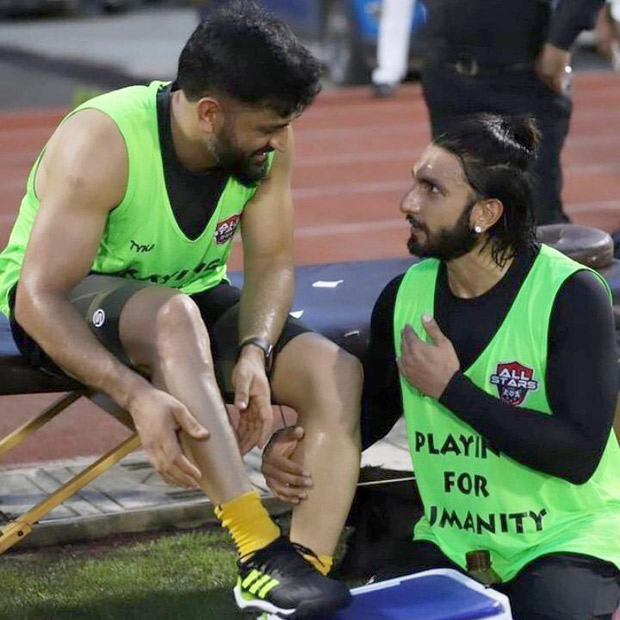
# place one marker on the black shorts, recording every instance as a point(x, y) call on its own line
point(100, 299)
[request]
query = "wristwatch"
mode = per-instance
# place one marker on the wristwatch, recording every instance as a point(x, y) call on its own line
point(261, 343)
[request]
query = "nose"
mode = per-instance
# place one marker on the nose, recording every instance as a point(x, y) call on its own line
point(279, 139)
point(410, 203)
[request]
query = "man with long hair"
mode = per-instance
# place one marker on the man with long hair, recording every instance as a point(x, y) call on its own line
point(500, 353)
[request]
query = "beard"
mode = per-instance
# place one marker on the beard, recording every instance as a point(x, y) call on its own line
point(447, 243)
point(239, 164)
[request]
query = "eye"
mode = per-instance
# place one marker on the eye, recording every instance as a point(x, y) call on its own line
point(430, 187)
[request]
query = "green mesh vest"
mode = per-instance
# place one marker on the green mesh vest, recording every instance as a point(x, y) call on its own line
point(475, 498)
point(142, 239)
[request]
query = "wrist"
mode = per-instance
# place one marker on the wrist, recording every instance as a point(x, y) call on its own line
point(255, 346)
point(452, 383)
point(131, 390)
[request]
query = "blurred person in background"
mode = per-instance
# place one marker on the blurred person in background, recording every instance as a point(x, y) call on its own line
point(115, 273)
point(507, 58)
point(392, 46)
point(608, 32)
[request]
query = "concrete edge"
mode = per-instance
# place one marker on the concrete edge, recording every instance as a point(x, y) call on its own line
point(181, 515)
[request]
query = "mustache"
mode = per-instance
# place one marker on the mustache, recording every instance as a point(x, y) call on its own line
point(414, 223)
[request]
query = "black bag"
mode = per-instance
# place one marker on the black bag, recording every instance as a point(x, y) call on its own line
point(383, 513)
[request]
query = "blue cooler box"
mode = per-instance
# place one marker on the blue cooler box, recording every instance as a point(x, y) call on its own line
point(441, 594)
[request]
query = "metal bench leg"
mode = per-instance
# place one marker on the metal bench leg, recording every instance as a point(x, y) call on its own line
point(23, 432)
point(22, 526)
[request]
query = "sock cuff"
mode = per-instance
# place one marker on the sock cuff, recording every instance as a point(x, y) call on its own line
point(220, 509)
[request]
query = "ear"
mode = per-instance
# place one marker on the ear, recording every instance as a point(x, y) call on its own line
point(486, 213)
point(210, 114)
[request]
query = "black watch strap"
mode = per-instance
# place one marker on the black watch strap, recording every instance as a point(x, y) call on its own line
point(261, 343)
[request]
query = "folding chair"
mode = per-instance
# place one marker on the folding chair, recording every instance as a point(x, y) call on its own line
point(16, 377)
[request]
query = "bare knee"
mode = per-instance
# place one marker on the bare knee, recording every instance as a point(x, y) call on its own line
point(327, 386)
point(349, 379)
point(179, 329)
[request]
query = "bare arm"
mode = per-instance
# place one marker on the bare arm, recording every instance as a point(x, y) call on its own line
point(268, 265)
point(267, 231)
point(568, 20)
point(82, 176)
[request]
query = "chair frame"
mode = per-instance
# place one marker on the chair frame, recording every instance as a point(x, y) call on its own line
point(19, 528)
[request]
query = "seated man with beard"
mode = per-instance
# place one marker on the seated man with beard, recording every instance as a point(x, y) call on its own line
point(500, 353)
point(116, 271)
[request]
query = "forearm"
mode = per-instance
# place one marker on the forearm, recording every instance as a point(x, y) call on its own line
point(552, 444)
point(70, 344)
point(382, 403)
point(266, 298)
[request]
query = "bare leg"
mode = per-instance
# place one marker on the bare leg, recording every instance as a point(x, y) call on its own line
point(163, 331)
point(324, 384)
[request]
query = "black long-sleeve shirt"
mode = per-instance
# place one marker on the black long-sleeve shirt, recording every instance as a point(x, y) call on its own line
point(506, 32)
point(581, 378)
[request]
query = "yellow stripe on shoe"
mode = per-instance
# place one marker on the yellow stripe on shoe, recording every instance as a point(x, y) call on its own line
point(253, 576)
point(259, 584)
point(268, 587)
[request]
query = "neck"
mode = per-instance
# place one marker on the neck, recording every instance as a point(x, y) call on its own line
point(475, 273)
point(190, 150)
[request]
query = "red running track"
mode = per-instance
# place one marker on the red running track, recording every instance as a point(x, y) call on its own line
point(353, 161)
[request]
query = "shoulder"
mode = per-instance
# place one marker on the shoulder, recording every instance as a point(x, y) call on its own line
point(586, 286)
point(384, 306)
point(87, 153)
point(582, 298)
point(89, 133)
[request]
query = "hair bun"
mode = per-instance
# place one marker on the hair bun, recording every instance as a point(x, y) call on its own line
point(525, 133)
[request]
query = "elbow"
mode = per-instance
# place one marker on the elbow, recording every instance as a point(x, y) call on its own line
point(23, 304)
point(29, 304)
point(578, 478)
point(583, 472)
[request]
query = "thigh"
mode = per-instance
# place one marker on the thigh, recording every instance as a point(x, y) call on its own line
point(99, 299)
point(564, 587)
point(224, 333)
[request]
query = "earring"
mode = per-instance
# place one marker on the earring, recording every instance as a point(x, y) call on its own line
point(477, 229)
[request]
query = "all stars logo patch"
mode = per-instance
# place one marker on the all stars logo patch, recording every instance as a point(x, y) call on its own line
point(225, 229)
point(514, 381)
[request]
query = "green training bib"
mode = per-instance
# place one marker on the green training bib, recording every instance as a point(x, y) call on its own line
point(475, 497)
point(142, 239)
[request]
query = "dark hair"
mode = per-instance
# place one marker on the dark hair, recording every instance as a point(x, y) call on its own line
point(243, 52)
point(497, 153)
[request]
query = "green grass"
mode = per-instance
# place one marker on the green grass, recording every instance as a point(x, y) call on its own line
point(169, 576)
point(188, 575)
